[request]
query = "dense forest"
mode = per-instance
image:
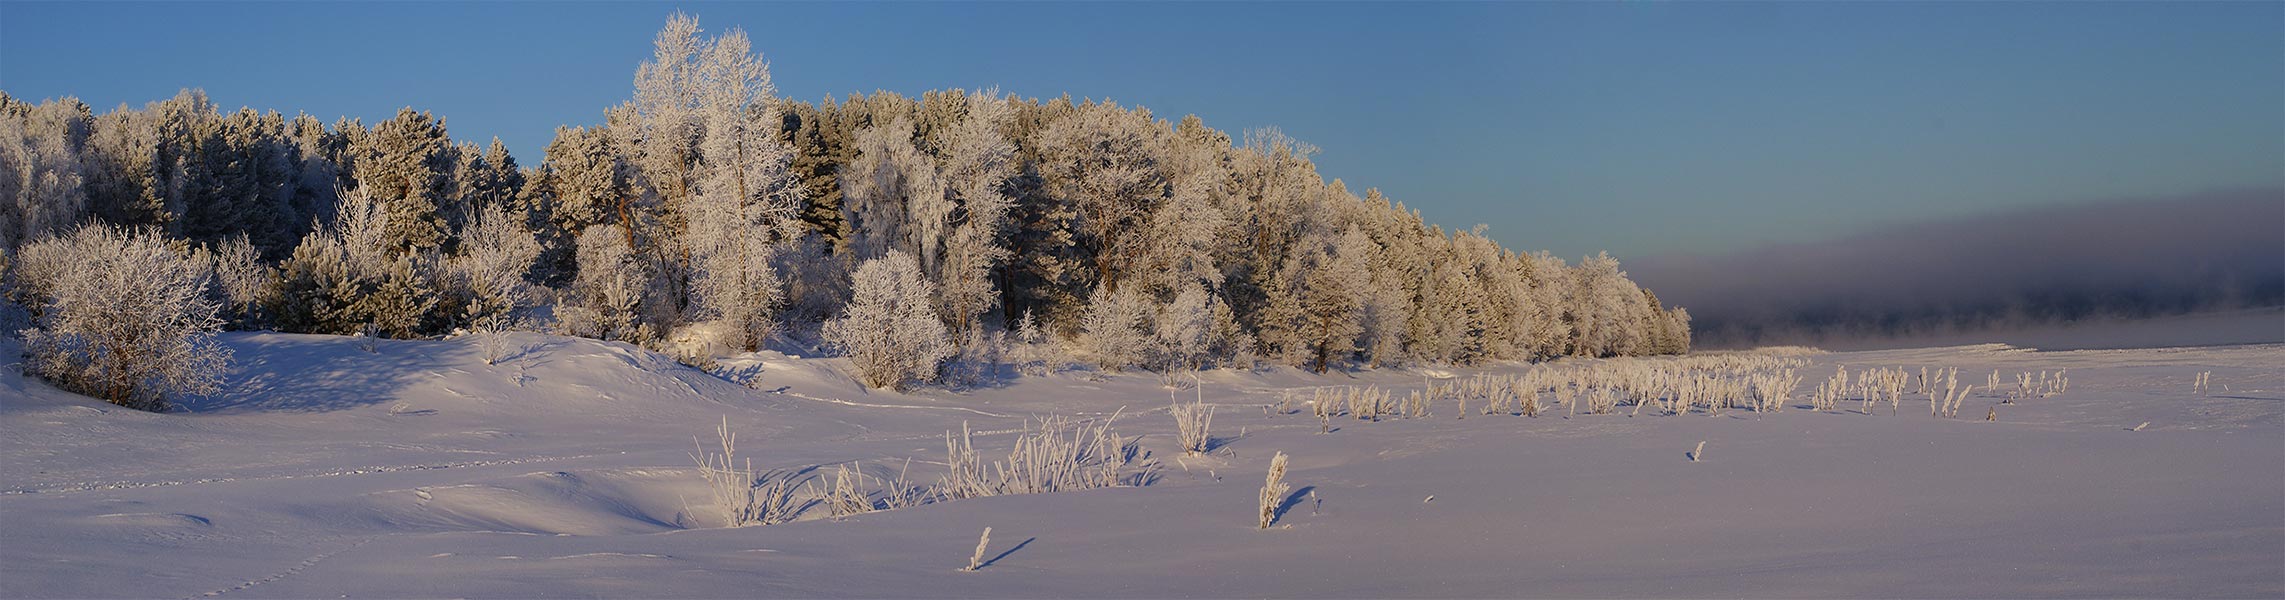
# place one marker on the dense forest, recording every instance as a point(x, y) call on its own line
point(707, 210)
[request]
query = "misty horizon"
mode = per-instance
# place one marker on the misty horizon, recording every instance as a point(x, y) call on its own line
point(2116, 259)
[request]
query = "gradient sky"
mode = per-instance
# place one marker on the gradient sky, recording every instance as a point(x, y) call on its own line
point(1640, 128)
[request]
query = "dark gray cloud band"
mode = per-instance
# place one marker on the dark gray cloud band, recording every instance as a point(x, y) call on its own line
point(2128, 259)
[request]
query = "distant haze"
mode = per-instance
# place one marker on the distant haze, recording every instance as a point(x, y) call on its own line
point(2026, 267)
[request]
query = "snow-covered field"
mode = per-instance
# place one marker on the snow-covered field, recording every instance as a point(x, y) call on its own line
point(415, 470)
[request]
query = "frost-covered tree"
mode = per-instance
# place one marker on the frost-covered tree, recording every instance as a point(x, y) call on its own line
point(404, 165)
point(122, 170)
point(125, 317)
point(746, 191)
point(1387, 309)
point(585, 182)
point(890, 330)
point(496, 252)
point(1678, 322)
point(1550, 284)
point(609, 299)
point(1184, 330)
point(348, 276)
point(1182, 236)
point(41, 184)
point(580, 183)
point(891, 197)
point(659, 130)
point(246, 284)
point(1316, 316)
point(1458, 312)
point(1107, 163)
point(1605, 307)
point(977, 162)
point(1116, 327)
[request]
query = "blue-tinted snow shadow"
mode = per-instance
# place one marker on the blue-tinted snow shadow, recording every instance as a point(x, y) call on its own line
point(307, 373)
point(996, 559)
point(1291, 500)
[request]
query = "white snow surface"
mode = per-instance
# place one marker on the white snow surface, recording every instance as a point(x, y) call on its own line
point(416, 470)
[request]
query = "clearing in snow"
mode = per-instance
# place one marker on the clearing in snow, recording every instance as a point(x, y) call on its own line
point(414, 469)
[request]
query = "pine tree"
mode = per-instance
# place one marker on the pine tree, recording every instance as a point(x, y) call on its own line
point(334, 268)
point(404, 165)
point(820, 148)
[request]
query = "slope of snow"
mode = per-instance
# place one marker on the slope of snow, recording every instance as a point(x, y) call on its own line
point(416, 470)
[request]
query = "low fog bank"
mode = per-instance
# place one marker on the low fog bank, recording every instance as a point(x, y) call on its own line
point(1978, 278)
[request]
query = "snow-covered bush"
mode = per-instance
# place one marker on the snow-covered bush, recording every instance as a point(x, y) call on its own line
point(123, 316)
point(889, 329)
point(496, 251)
point(816, 281)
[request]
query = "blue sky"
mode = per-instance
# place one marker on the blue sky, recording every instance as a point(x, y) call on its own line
point(1640, 128)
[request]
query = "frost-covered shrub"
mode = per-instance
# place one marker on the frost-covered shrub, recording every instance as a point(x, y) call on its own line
point(344, 277)
point(123, 317)
point(978, 359)
point(488, 274)
point(496, 251)
point(1116, 328)
point(1035, 352)
point(889, 329)
point(610, 297)
point(243, 282)
point(1184, 331)
point(816, 282)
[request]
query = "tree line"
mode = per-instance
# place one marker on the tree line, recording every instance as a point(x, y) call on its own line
point(706, 209)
